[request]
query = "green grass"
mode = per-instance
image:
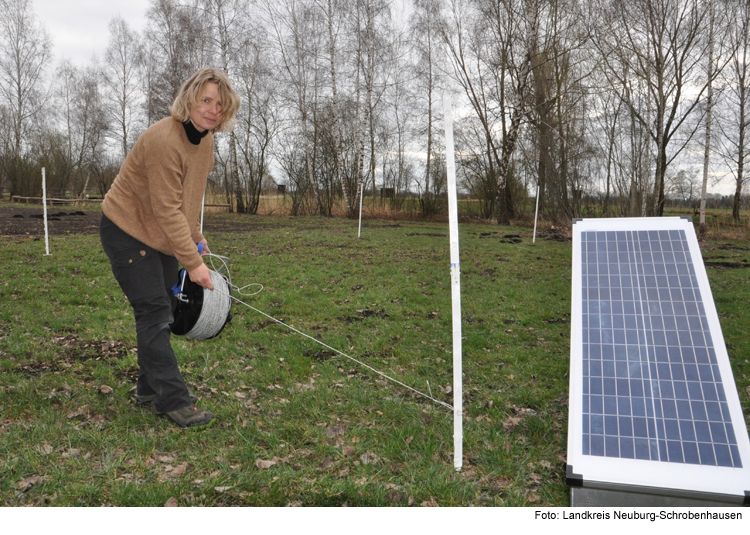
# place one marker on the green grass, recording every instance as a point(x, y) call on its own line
point(339, 434)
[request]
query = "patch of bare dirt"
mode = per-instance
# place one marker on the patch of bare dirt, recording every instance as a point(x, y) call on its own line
point(23, 221)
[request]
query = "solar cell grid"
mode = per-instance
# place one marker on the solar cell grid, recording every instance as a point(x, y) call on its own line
point(651, 384)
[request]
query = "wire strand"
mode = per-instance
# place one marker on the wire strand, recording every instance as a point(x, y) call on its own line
point(439, 402)
point(225, 267)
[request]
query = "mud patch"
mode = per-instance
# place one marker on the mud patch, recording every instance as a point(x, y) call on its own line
point(366, 313)
point(555, 234)
point(730, 265)
point(319, 355)
point(17, 221)
point(557, 321)
point(75, 350)
point(426, 234)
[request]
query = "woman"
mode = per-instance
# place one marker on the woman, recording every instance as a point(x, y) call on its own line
point(150, 222)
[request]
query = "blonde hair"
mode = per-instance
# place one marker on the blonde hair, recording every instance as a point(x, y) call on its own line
point(191, 90)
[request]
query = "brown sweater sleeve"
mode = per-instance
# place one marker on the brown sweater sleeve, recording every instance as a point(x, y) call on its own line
point(165, 179)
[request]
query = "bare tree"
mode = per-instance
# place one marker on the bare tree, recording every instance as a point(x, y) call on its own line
point(230, 35)
point(25, 53)
point(425, 25)
point(735, 117)
point(709, 111)
point(84, 120)
point(121, 81)
point(177, 37)
point(257, 120)
point(660, 44)
point(296, 34)
point(492, 49)
point(333, 13)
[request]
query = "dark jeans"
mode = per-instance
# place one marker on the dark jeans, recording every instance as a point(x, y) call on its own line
point(147, 276)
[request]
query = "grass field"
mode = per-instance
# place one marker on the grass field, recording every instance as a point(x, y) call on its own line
point(298, 425)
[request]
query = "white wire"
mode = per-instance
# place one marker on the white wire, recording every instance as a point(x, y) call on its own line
point(345, 355)
point(239, 290)
point(214, 312)
point(224, 266)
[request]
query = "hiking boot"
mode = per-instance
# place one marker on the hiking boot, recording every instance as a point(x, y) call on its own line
point(192, 417)
point(147, 401)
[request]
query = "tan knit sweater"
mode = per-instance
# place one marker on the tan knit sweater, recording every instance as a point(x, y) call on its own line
point(156, 197)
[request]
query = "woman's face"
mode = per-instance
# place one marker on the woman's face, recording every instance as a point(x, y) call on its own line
point(206, 113)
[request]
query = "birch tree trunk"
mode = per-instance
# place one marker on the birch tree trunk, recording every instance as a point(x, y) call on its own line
point(709, 106)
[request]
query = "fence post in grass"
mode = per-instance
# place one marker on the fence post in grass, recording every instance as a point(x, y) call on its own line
point(44, 203)
point(450, 163)
point(361, 191)
point(203, 207)
point(536, 213)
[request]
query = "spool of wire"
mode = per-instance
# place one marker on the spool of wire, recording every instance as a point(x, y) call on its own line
point(201, 314)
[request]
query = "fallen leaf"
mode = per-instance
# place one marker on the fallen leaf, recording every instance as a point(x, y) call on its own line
point(26, 484)
point(532, 496)
point(349, 451)
point(361, 481)
point(430, 503)
point(326, 464)
point(105, 389)
point(524, 410)
point(179, 470)
point(334, 431)
point(496, 483)
point(408, 440)
point(172, 502)
point(546, 464)
point(80, 411)
point(221, 489)
point(264, 465)
point(511, 423)
point(394, 496)
point(173, 473)
point(45, 449)
point(164, 458)
point(369, 458)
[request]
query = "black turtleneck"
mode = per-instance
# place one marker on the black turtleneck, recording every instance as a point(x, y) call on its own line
point(192, 133)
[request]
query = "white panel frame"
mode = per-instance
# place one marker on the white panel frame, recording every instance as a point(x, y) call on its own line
point(648, 473)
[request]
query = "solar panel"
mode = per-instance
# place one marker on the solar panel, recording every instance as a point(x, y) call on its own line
point(653, 403)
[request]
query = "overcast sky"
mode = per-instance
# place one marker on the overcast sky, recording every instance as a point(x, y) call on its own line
point(80, 28)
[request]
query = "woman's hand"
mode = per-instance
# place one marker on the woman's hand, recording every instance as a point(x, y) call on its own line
point(202, 276)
